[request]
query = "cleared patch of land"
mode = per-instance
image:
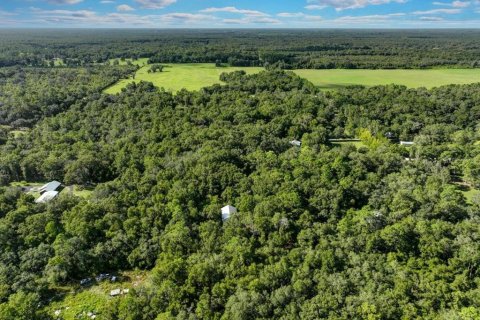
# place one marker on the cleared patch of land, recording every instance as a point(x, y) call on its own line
point(338, 78)
point(76, 302)
point(198, 75)
point(175, 77)
point(471, 194)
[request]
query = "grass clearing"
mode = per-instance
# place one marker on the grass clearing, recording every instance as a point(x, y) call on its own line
point(74, 302)
point(339, 78)
point(198, 75)
point(345, 142)
point(79, 191)
point(180, 76)
point(357, 144)
point(471, 194)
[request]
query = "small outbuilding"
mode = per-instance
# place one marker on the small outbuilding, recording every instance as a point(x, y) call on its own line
point(47, 196)
point(51, 186)
point(227, 211)
point(115, 292)
point(296, 143)
point(407, 143)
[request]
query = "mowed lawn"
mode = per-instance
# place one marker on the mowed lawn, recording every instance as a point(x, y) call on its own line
point(195, 76)
point(178, 76)
point(338, 78)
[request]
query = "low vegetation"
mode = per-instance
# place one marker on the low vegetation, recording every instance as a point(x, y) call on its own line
point(175, 77)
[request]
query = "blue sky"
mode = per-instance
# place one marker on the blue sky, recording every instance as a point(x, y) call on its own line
point(240, 14)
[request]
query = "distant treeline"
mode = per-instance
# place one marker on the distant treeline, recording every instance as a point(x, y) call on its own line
point(287, 49)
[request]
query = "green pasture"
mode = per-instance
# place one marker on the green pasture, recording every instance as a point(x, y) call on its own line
point(178, 76)
point(199, 75)
point(338, 78)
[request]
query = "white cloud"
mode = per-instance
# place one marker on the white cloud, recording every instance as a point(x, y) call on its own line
point(368, 19)
point(155, 4)
point(299, 15)
point(434, 19)
point(252, 20)
point(254, 13)
point(124, 8)
point(349, 4)
point(107, 1)
point(454, 4)
point(88, 18)
point(315, 7)
point(186, 17)
point(438, 11)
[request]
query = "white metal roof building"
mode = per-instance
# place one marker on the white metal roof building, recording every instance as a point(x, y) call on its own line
point(407, 143)
point(227, 211)
point(51, 186)
point(47, 196)
point(296, 143)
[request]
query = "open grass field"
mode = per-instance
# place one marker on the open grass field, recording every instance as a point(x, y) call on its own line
point(76, 302)
point(471, 194)
point(195, 76)
point(178, 76)
point(338, 78)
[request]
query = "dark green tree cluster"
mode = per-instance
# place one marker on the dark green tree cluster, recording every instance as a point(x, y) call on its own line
point(322, 231)
point(30, 94)
point(156, 68)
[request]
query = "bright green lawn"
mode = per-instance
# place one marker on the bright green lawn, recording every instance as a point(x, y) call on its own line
point(357, 144)
point(471, 194)
point(337, 78)
point(196, 76)
point(179, 76)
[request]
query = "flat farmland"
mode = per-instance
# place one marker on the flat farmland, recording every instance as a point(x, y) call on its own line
point(338, 78)
point(175, 77)
point(195, 76)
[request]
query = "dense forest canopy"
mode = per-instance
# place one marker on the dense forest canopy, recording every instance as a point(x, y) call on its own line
point(323, 230)
point(30, 94)
point(289, 49)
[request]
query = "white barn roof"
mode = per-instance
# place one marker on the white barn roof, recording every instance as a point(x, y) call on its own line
point(47, 196)
point(296, 143)
point(227, 211)
point(51, 186)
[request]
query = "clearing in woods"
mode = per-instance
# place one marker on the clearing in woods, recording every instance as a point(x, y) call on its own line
point(198, 75)
point(429, 78)
point(175, 77)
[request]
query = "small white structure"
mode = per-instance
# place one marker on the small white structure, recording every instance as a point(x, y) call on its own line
point(227, 211)
point(296, 143)
point(115, 292)
point(51, 186)
point(118, 292)
point(407, 143)
point(47, 196)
